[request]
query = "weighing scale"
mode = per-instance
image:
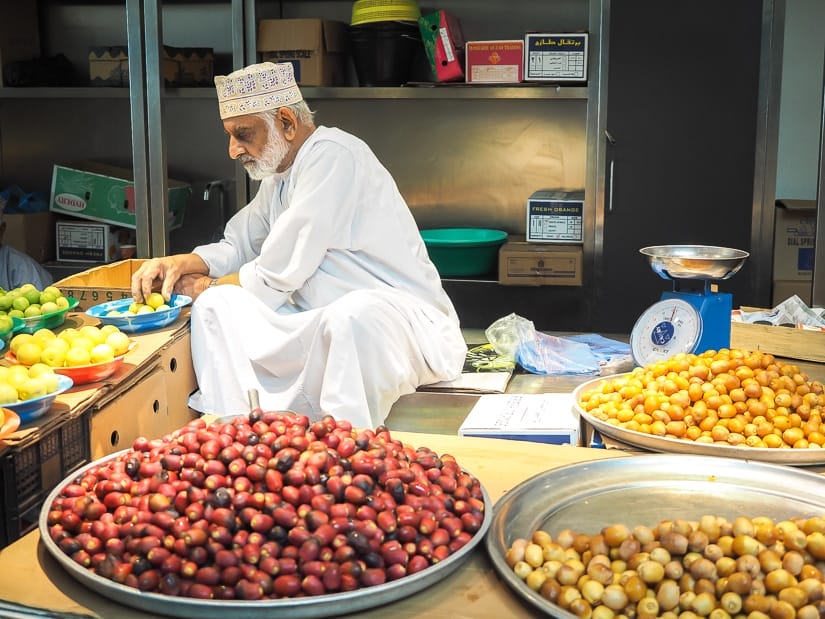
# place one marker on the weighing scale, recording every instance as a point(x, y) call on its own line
point(694, 316)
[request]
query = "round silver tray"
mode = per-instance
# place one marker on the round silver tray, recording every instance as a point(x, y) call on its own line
point(329, 605)
point(644, 490)
point(794, 457)
point(694, 261)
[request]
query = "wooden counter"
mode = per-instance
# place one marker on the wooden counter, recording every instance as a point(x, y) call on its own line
point(31, 576)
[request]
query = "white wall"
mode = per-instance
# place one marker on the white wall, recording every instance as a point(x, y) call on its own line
point(800, 110)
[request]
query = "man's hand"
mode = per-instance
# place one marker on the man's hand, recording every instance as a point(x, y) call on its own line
point(164, 273)
point(192, 285)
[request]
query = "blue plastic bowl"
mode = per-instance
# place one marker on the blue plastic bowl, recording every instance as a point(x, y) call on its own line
point(461, 252)
point(28, 410)
point(136, 323)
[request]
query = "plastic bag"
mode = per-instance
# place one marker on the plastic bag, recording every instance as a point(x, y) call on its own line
point(539, 353)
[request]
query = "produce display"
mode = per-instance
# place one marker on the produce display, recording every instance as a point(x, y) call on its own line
point(265, 507)
point(71, 347)
point(727, 397)
point(27, 301)
point(153, 303)
point(713, 567)
point(20, 384)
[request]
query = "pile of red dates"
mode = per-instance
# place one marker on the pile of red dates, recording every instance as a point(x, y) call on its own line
point(266, 506)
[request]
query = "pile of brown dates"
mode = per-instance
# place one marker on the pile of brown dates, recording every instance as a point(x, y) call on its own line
point(266, 506)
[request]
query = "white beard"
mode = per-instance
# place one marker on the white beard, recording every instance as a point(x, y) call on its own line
point(273, 154)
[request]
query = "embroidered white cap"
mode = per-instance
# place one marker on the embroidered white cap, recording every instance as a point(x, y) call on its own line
point(257, 88)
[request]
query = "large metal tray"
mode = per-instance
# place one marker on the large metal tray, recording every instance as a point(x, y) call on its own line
point(330, 605)
point(644, 490)
point(663, 444)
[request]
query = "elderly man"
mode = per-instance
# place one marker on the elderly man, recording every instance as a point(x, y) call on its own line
point(321, 295)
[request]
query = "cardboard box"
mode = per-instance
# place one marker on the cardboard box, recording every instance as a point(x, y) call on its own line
point(19, 34)
point(141, 411)
point(443, 44)
point(196, 65)
point(108, 282)
point(555, 217)
point(805, 344)
point(315, 47)
point(176, 362)
point(494, 62)
point(105, 193)
point(785, 289)
point(555, 57)
point(83, 241)
point(109, 66)
point(794, 239)
point(31, 233)
point(530, 264)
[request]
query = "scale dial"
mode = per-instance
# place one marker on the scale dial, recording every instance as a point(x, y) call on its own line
point(666, 328)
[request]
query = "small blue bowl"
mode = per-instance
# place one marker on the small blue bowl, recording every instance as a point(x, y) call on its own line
point(29, 410)
point(137, 323)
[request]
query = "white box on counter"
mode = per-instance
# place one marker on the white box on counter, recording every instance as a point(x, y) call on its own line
point(537, 417)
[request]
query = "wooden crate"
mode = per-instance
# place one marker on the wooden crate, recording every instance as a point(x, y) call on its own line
point(805, 344)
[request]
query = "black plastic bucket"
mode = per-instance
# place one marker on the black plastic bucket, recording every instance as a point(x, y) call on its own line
point(383, 52)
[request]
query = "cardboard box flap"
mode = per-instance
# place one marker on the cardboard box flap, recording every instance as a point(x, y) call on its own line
point(796, 205)
point(111, 171)
point(289, 35)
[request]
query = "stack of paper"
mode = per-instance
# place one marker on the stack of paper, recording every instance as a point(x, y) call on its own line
point(539, 417)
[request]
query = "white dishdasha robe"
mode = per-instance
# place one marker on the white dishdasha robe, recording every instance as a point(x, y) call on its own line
point(340, 309)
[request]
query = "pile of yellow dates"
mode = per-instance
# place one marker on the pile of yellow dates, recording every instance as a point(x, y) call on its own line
point(754, 568)
point(732, 397)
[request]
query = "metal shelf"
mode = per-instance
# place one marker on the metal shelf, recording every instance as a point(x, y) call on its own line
point(457, 91)
point(67, 92)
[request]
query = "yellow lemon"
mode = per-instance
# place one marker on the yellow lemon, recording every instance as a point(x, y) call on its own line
point(17, 340)
point(31, 388)
point(51, 381)
point(44, 336)
point(69, 334)
point(77, 356)
point(15, 379)
point(38, 369)
point(93, 333)
point(32, 310)
point(62, 303)
point(82, 341)
point(135, 307)
point(54, 356)
point(8, 394)
point(107, 329)
point(155, 300)
point(102, 353)
point(28, 353)
point(119, 342)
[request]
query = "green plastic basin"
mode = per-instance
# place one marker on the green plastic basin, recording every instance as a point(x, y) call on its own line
point(462, 252)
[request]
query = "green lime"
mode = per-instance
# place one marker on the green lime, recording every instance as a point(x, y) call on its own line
point(20, 303)
point(32, 295)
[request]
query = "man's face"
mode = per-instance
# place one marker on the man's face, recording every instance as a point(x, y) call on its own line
point(259, 144)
